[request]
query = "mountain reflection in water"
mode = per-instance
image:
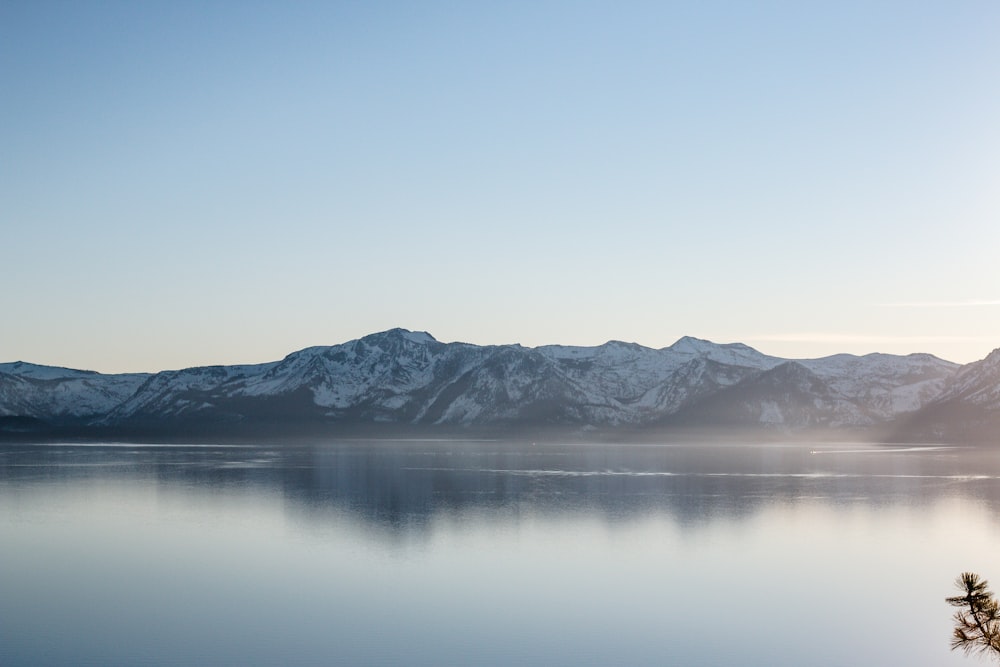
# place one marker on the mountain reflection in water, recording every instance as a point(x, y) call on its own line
point(488, 553)
point(404, 484)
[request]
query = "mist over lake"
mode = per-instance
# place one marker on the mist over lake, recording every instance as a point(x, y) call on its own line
point(489, 552)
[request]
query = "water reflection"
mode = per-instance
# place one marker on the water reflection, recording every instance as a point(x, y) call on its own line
point(404, 485)
point(488, 553)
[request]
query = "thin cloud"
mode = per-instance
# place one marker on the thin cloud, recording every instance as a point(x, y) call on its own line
point(968, 303)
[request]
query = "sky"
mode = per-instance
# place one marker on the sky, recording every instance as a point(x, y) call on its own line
point(188, 183)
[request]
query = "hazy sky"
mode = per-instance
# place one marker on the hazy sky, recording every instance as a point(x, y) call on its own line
point(186, 183)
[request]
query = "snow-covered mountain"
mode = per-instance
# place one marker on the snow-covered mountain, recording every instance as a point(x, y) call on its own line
point(968, 407)
point(409, 379)
point(46, 393)
point(842, 391)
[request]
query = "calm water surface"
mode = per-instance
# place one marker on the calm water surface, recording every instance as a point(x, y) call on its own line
point(489, 553)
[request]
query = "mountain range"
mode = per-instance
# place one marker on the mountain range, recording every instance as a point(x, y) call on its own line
point(404, 381)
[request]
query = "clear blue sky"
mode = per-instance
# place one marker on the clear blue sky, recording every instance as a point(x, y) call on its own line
point(185, 183)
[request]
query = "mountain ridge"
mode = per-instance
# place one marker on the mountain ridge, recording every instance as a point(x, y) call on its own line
point(409, 380)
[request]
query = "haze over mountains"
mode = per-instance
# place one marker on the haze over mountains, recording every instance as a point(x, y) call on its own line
point(403, 381)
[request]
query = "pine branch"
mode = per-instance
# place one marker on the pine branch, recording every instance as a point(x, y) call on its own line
point(977, 622)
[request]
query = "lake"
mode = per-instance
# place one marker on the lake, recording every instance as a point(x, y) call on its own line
point(490, 553)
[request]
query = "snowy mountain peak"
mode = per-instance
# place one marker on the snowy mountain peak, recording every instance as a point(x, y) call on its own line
point(992, 359)
point(978, 381)
point(924, 356)
point(37, 372)
point(623, 344)
point(692, 345)
point(419, 337)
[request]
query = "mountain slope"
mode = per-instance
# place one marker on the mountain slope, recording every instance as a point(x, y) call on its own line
point(47, 393)
point(842, 391)
point(967, 408)
point(409, 379)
